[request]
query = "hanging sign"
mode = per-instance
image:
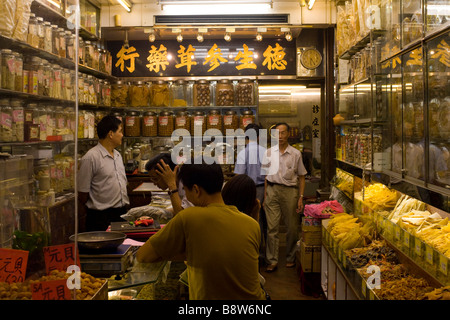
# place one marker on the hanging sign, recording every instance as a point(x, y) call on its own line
point(142, 58)
point(13, 265)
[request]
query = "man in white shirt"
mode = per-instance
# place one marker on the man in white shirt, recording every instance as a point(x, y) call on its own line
point(102, 182)
point(284, 189)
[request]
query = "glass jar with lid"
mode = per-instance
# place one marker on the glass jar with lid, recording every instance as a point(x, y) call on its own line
point(133, 124)
point(150, 124)
point(47, 79)
point(18, 123)
point(70, 45)
point(57, 87)
point(48, 36)
point(86, 88)
point(202, 93)
point(139, 94)
point(95, 56)
point(247, 117)
point(18, 81)
point(230, 120)
point(102, 60)
point(31, 129)
point(32, 31)
point(62, 43)
point(245, 93)
point(179, 93)
point(106, 93)
point(8, 69)
point(81, 50)
point(88, 53)
point(61, 121)
point(40, 32)
point(5, 121)
point(55, 39)
point(34, 76)
point(51, 121)
point(183, 120)
point(119, 94)
point(165, 124)
point(160, 94)
point(81, 124)
point(214, 120)
point(198, 123)
point(224, 93)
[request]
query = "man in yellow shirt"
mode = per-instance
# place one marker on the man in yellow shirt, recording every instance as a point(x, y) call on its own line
point(219, 243)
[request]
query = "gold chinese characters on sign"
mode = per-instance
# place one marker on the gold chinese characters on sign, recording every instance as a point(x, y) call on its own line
point(159, 58)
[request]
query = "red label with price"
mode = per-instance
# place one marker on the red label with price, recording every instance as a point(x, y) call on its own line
point(60, 257)
point(13, 265)
point(50, 290)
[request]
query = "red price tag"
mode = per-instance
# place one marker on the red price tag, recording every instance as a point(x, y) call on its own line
point(60, 257)
point(13, 265)
point(50, 290)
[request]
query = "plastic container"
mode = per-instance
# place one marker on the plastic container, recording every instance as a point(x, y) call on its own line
point(149, 124)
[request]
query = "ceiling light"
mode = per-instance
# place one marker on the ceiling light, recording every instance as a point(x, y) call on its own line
point(259, 37)
point(310, 4)
point(151, 37)
point(227, 37)
point(288, 36)
point(200, 37)
point(179, 38)
point(127, 6)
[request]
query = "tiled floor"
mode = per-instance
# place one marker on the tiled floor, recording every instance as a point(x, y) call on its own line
point(284, 283)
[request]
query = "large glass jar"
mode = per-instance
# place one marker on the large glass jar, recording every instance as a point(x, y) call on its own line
point(182, 120)
point(70, 45)
point(32, 37)
point(48, 36)
point(17, 124)
point(62, 43)
point(150, 124)
point(18, 81)
point(119, 94)
point(139, 94)
point(51, 121)
point(5, 121)
point(70, 121)
point(179, 93)
point(165, 124)
point(202, 93)
point(160, 94)
point(95, 56)
point(61, 121)
point(245, 93)
point(133, 124)
point(198, 123)
point(40, 31)
point(106, 93)
point(47, 80)
point(230, 120)
point(247, 117)
point(34, 79)
point(215, 120)
point(102, 60)
point(81, 51)
point(8, 69)
point(57, 87)
point(31, 129)
point(88, 53)
point(55, 39)
point(224, 93)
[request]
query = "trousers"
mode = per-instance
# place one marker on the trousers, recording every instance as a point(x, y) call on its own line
point(281, 202)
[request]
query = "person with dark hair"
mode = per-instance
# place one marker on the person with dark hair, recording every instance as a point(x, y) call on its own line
point(240, 191)
point(163, 173)
point(219, 243)
point(284, 189)
point(102, 183)
point(248, 161)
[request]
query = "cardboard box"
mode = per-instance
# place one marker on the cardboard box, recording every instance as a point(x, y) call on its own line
point(311, 232)
point(310, 257)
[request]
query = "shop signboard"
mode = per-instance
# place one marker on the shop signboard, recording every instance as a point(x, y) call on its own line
point(214, 57)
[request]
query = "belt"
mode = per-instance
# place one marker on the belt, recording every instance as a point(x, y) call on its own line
point(279, 184)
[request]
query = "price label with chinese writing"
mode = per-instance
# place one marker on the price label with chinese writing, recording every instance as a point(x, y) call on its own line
point(60, 257)
point(13, 265)
point(50, 290)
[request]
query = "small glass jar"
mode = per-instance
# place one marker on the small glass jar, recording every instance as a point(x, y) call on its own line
point(179, 93)
point(224, 93)
point(57, 87)
point(183, 121)
point(198, 123)
point(230, 120)
point(81, 49)
point(202, 93)
point(247, 117)
point(70, 45)
point(245, 93)
point(55, 39)
point(215, 120)
point(95, 56)
point(31, 129)
point(8, 69)
point(139, 94)
point(160, 94)
point(102, 60)
point(5, 121)
point(44, 75)
point(88, 53)
point(18, 80)
point(62, 43)
point(150, 124)
point(165, 124)
point(133, 124)
point(18, 123)
point(119, 94)
point(48, 36)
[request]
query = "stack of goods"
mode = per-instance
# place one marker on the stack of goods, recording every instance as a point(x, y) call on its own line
point(378, 197)
point(323, 210)
point(348, 232)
